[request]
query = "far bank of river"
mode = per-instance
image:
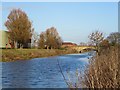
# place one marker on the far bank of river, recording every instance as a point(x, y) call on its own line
point(9, 55)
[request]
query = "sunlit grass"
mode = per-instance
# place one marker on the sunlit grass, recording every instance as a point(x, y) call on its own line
point(25, 54)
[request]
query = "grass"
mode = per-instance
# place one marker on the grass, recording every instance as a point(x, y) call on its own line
point(26, 54)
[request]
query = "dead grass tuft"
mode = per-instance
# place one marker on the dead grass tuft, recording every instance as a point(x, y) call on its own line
point(103, 70)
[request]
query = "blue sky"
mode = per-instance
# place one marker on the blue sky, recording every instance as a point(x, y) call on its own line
point(60, 0)
point(74, 21)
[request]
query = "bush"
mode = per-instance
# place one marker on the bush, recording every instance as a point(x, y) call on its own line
point(103, 70)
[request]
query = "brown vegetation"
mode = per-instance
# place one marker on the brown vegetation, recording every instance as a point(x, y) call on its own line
point(25, 54)
point(19, 26)
point(103, 70)
point(50, 39)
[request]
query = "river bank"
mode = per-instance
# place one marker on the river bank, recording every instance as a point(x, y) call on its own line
point(9, 55)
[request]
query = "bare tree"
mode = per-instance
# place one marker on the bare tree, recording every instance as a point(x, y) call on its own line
point(114, 38)
point(96, 38)
point(19, 26)
point(35, 39)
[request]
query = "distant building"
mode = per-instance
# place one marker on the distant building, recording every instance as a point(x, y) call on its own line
point(5, 41)
point(68, 44)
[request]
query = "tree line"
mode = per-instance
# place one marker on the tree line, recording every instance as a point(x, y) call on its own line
point(100, 42)
point(21, 31)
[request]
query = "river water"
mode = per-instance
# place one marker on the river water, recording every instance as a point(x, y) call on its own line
point(42, 72)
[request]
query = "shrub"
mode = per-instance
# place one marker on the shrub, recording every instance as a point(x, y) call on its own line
point(103, 70)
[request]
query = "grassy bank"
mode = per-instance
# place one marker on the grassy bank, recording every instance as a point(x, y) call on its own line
point(26, 54)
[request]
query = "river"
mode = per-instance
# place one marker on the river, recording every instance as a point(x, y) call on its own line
point(42, 72)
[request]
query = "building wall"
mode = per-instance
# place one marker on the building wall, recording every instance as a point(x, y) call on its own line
point(4, 39)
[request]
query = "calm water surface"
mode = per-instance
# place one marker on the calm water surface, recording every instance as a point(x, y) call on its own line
point(41, 72)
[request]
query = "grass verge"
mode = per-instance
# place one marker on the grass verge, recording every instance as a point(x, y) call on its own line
point(26, 54)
